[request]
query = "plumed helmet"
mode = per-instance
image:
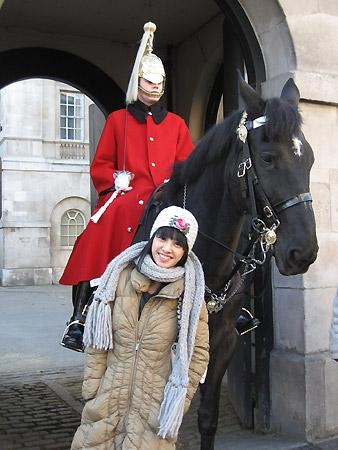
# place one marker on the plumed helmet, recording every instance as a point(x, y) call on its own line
point(179, 218)
point(147, 65)
point(151, 68)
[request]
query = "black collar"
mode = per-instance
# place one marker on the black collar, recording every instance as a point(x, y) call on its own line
point(140, 111)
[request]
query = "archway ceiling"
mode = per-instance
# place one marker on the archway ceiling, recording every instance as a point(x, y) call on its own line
point(117, 21)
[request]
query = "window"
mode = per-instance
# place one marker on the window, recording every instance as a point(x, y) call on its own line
point(71, 116)
point(72, 225)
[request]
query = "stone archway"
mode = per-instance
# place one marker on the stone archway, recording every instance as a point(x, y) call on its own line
point(23, 63)
point(273, 36)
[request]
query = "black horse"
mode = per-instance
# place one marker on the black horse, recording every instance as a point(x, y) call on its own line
point(252, 168)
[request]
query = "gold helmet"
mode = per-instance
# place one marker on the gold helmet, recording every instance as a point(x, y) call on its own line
point(147, 65)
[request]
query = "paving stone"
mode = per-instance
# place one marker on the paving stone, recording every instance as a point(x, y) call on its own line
point(33, 413)
point(41, 411)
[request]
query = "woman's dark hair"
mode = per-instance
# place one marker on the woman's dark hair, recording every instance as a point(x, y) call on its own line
point(166, 233)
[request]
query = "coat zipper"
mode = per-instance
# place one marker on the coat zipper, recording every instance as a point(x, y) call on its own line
point(137, 346)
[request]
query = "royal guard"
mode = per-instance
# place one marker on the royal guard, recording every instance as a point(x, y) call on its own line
point(136, 152)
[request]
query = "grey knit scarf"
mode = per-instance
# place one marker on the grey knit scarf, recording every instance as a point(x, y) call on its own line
point(98, 328)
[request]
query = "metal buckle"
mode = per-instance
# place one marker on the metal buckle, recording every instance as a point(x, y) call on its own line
point(267, 211)
point(241, 170)
point(243, 167)
point(258, 225)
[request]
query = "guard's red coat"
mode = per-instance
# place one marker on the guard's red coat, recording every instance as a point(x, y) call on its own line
point(151, 150)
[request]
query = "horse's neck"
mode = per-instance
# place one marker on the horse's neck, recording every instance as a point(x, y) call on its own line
point(219, 262)
point(220, 230)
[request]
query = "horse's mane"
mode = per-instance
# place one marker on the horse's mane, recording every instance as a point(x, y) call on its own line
point(213, 147)
point(283, 122)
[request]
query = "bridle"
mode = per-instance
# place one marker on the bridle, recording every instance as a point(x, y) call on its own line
point(263, 226)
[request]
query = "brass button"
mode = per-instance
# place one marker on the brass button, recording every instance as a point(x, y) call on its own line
point(153, 164)
point(140, 202)
point(151, 139)
point(129, 229)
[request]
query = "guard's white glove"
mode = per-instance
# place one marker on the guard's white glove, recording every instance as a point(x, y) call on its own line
point(122, 180)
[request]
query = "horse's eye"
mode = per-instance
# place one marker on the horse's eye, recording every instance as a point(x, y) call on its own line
point(267, 157)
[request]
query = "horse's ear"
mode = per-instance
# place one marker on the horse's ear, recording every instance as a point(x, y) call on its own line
point(254, 104)
point(290, 92)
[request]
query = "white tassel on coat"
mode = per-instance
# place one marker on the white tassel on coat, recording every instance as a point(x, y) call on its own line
point(96, 217)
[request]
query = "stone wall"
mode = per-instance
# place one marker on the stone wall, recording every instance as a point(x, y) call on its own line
point(297, 39)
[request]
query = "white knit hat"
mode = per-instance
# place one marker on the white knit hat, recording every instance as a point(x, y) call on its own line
point(179, 218)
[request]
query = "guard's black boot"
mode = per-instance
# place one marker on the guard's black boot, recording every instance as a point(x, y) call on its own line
point(73, 334)
point(246, 322)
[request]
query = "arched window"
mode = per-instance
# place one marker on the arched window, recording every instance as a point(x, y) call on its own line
point(72, 225)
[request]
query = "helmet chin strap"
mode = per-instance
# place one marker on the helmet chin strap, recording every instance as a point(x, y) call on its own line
point(154, 95)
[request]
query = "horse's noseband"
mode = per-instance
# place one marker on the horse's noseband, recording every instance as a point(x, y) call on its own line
point(300, 198)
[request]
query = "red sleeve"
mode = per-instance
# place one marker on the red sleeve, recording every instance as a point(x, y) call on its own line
point(104, 163)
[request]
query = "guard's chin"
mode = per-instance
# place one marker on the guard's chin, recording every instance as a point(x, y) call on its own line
point(153, 95)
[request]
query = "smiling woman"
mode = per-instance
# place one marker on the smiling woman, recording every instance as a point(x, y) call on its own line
point(166, 252)
point(148, 302)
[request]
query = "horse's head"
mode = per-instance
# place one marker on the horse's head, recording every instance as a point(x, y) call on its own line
point(282, 160)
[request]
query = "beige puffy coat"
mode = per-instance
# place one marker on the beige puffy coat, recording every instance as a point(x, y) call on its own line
point(124, 386)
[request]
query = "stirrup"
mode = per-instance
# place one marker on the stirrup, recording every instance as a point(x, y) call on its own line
point(246, 322)
point(73, 342)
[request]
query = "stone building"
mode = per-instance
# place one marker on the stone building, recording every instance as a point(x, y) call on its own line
point(44, 149)
point(203, 42)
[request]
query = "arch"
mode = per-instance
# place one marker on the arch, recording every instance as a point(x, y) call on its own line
point(247, 39)
point(35, 62)
point(240, 48)
point(266, 42)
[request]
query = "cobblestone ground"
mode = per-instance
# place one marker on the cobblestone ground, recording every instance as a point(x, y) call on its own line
point(41, 411)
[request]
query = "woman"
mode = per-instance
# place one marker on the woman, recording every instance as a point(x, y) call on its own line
point(146, 340)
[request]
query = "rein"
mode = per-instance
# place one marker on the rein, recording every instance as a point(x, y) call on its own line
point(263, 229)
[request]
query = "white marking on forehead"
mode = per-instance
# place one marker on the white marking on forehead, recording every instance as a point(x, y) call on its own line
point(297, 146)
point(259, 122)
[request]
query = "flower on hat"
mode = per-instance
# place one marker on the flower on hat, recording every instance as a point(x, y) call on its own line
point(179, 218)
point(180, 224)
